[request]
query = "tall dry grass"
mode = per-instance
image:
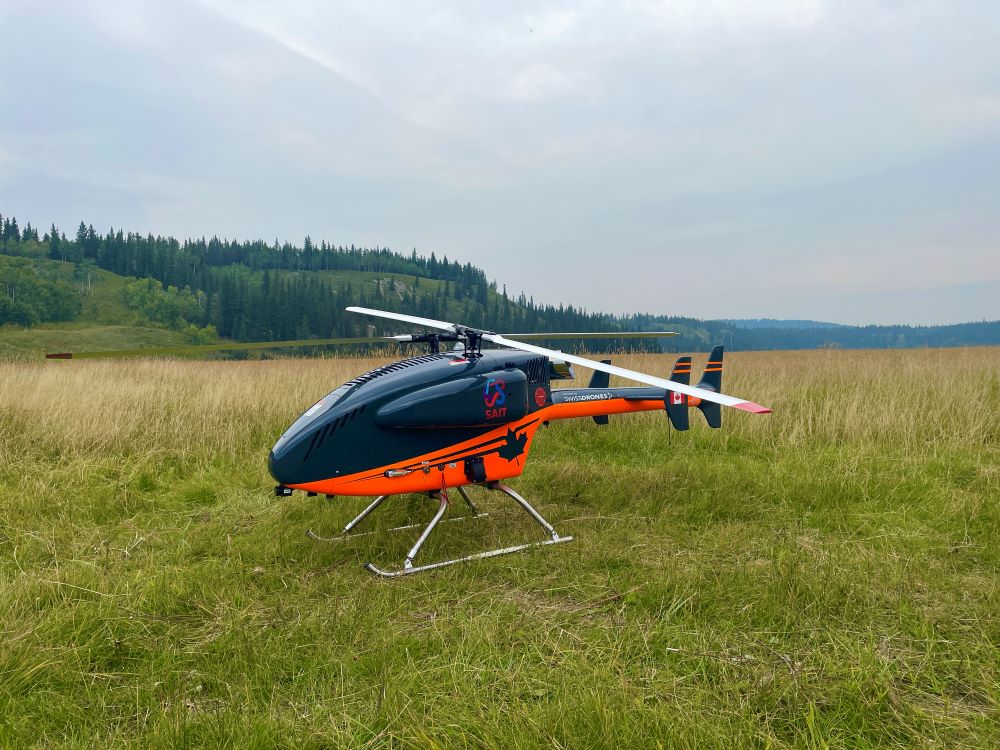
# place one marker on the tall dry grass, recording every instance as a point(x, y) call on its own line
point(907, 400)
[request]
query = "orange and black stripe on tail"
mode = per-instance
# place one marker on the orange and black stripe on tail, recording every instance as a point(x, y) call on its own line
point(711, 380)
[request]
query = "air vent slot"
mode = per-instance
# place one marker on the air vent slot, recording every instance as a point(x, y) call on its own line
point(320, 436)
point(396, 367)
point(537, 369)
point(312, 444)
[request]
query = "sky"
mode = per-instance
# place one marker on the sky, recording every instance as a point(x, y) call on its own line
point(827, 159)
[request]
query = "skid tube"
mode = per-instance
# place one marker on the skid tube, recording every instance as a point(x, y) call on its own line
point(443, 505)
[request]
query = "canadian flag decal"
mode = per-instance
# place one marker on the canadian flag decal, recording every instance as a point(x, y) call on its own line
point(676, 398)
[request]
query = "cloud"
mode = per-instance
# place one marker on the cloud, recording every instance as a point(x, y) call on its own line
point(134, 23)
point(552, 23)
point(742, 15)
point(592, 153)
point(260, 24)
point(540, 81)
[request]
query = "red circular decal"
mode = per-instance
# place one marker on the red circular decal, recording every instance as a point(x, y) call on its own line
point(540, 396)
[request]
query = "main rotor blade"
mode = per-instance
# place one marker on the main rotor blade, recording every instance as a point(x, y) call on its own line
point(153, 351)
point(670, 385)
point(425, 322)
point(592, 335)
point(453, 328)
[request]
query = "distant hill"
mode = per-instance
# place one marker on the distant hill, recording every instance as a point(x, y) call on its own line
point(102, 320)
point(700, 335)
point(870, 337)
point(754, 323)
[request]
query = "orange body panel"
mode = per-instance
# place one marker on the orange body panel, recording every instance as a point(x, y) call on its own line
point(445, 468)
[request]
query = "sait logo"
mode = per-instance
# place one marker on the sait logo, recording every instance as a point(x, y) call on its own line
point(494, 397)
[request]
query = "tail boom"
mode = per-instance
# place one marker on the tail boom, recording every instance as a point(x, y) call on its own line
point(675, 397)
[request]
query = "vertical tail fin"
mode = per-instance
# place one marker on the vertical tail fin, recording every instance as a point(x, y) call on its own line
point(711, 380)
point(600, 380)
point(676, 403)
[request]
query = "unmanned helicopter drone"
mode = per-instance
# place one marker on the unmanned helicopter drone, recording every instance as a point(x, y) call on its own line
point(446, 420)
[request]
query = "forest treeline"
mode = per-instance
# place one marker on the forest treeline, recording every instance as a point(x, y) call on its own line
point(259, 291)
point(700, 335)
point(255, 291)
point(982, 333)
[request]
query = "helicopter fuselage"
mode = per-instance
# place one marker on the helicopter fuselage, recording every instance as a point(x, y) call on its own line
point(435, 421)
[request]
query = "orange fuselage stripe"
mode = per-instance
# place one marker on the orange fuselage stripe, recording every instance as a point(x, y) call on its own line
point(446, 466)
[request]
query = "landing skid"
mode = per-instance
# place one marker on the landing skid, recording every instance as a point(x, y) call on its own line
point(443, 505)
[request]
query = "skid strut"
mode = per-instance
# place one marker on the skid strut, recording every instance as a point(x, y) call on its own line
point(346, 532)
point(443, 505)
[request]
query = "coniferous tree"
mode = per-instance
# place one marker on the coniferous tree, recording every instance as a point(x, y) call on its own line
point(91, 243)
point(55, 249)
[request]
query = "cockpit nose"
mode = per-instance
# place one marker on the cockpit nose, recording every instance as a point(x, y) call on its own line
point(278, 467)
point(289, 458)
point(294, 461)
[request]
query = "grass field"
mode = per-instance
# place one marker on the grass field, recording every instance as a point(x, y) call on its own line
point(34, 343)
point(825, 576)
point(105, 323)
